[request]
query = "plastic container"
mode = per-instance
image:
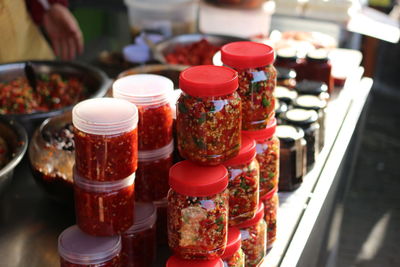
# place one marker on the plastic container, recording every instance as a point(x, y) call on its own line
point(293, 157)
point(285, 94)
point(286, 77)
point(139, 241)
point(267, 147)
point(105, 135)
point(233, 255)
point(151, 95)
point(257, 81)
point(104, 208)
point(209, 114)
point(198, 210)
point(175, 261)
point(152, 173)
point(271, 204)
point(307, 87)
point(254, 238)
point(78, 249)
point(244, 176)
point(318, 68)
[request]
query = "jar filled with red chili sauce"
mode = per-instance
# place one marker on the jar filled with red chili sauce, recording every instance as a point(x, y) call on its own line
point(77, 249)
point(257, 81)
point(271, 204)
point(198, 204)
point(151, 94)
point(243, 172)
point(139, 241)
point(233, 255)
point(318, 68)
point(152, 174)
point(267, 147)
point(254, 238)
point(105, 135)
point(209, 115)
point(175, 261)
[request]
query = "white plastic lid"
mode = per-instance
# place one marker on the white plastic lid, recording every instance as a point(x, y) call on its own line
point(310, 101)
point(145, 217)
point(150, 155)
point(80, 248)
point(288, 131)
point(287, 52)
point(284, 92)
point(105, 116)
point(318, 54)
point(143, 89)
point(300, 115)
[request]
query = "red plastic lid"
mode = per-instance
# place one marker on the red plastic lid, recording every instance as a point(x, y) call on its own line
point(234, 242)
point(174, 261)
point(208, 80)
point(244, 55)
point(261, 135)
point(259, 215)
point(270, 194)
point(193, 180)
point(246, 154)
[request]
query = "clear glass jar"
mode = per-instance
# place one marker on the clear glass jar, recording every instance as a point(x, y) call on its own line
point(198, 203)
point(209, 115)
point(152, 174)
point(244, 172)
point(286, 77)
point(287, 58)
point(151, 95)
point(233, 255)
point(307, 87)
point(78, 249)
point(318, 68)
point(105, 135)
point(175, 261)
point(271, 204)
point(293, 157)
point(139, 241)
point(104, 208)
point(257, 81)
point(254, 238)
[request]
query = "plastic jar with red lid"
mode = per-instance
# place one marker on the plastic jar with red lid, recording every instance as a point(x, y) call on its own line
point(151, 94)
point(198, 204)
point(209, 114)
point(318, 68)
point(267, 147)
point(254, 238)
point(175, 261)
point(233, 255)
point(271, 204)
point(139, 241)
point(78, 249)
point(244, 172)
point(152, 174)
point(105, 135)
point(104, 208)
point(257, 81)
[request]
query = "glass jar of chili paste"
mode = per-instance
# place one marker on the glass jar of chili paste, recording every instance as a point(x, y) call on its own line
point(318, 68)
point(161, 224)
point(105, 135)
point(233, 255)
point(286, 77)
point(151, 94)
point(175, 261)
point(198, 203)
point(288, 58)
point(209, 115)
point(307, 87)
point(243, 172)
point(285, 95)
point(308, 121)
point(78, 249)
point(257, 81)
point(152, 174)
point(271, 204)
point(139, 241)
point(254, 238)
point(104, 208)
point(267, 147)
point(293, 159)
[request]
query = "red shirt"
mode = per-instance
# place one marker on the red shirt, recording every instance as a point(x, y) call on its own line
point(37, 8)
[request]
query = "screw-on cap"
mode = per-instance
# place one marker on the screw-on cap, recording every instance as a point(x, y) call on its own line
point(287, 53)
point(246, 154)
point(208, 80)
point(271, 193)
point(194, 180)
point(285, 94)
point(309, 102)
point(261, 135)
point(311, 87)
point(234, 243)
point(244, 55)
point(80, 248)
point(174, 261)
point(318, 55)
point(259, 215)
point(145, 217)
point(289, 133)
point(300, 117)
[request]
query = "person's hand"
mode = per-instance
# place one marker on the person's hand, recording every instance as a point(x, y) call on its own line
point(63, 31)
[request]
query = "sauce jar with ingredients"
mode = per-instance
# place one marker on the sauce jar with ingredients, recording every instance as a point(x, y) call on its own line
point(152, 174)
point(257, 81)
point(244, 176)
point(307, 87)
point(233, 255)
point(286, 77)
point(267, 147)
point(78, 249)
point(312, 102)
point(285, 95)
point(280, 108)
point(198, 203)
point(104, 208)
point(293, 159)
point(139, 241)
point(209, 115)
point(271, 204)
point(308, 121)
point(318, 68)
point(105, 135)
point(254, 238)
point(161, 224)
point(151, 94)
point(287, 58)
point(175, 261)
